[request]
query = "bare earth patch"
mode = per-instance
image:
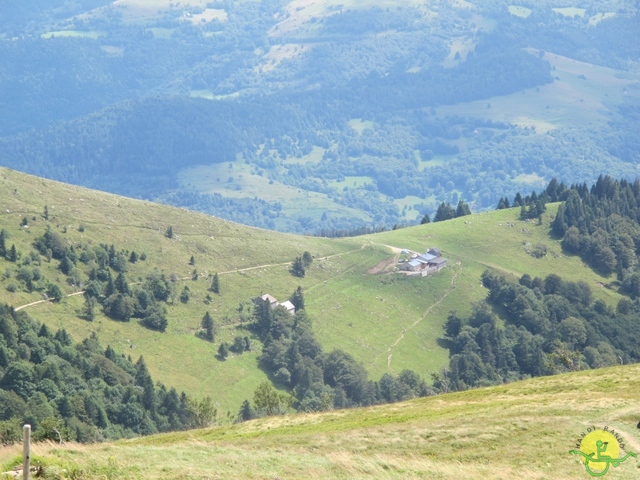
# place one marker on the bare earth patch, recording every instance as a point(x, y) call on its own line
point(385, 266)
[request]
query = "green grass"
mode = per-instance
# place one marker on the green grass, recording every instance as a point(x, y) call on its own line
point(387, 321)
point(351, 182)
point(522, 430)
point(73, 33)
point(518, 11)
point(580, 95)
point(314, 157)
point(360, 125)
point(239, 180)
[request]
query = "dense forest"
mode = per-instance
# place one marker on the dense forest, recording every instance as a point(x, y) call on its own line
point(111, 104)
point(77, 391)
point(551, 325)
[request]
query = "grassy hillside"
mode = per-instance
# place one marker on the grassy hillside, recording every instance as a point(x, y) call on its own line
point(521, 430)
point(387, 321)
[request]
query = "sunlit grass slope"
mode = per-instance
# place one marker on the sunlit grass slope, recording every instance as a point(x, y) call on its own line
point(387, 321)
point(522, 430)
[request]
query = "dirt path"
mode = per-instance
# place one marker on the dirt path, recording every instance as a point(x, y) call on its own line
point(44, 301)
point(38, 302)
point(287, 263)
point(440, 300)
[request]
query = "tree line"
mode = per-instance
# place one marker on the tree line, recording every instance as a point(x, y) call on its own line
point(550, 326)
point(81, 392)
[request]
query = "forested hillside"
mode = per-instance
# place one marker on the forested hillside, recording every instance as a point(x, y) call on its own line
point(319, 117)
point(82, 392)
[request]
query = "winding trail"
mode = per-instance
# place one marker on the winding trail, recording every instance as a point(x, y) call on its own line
point(440, 300)
point(46, 300)
point(38, 302)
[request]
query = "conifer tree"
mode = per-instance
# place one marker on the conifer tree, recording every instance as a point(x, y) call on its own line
point(246, 412)
point(297, 298)
point(297, 268)
point(223, 350)
point(3, 243)
point(445, 212)
point(88, 309)
point(110, 288)
point(185, 295)
point(12, 255)
point(462, 209)
point(121, 284)
point(209, 327)
point(215, 284)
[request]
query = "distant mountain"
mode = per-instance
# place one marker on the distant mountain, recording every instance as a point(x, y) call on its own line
point(308, 117)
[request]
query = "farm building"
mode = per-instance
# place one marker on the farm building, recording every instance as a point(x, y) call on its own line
point(273, 303)
point(289, 306)
point(428, 262)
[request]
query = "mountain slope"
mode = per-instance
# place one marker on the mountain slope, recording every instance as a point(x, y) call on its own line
point(522, 430)
point(387, 322)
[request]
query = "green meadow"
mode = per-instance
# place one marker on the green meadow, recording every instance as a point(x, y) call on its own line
point(386, 320)
point(580, 95)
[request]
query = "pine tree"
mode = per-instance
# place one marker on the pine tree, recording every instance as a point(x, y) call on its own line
point(462, 209)
point(517, 200)
point(3, 243)
point(209, 327)
point(110, 288)
point(297, 269)
point(426, 219)
point(215, 284)
point(192, 260)
point(185, 295)
point(12, 256)
point(169, 232)
point(133, 258)
point(88, 309)
point(223, 350)
point(445, 212)
point(297, 298)
point(246, 412)
point(121, 284)
point(307, 259)
point(46, 212)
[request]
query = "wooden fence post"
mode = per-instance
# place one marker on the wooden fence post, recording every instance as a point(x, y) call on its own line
point(26, 452)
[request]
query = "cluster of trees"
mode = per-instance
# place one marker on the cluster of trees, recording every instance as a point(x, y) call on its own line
point(318, 380)
point(447, 212)
point(118, 299)
point(551, 326)
point(531, 206)
point(601, 225)
point(77, 391)
point(300, 265)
